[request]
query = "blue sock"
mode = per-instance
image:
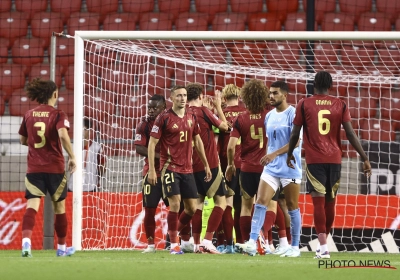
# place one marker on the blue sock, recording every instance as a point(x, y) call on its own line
point(295, 226)
point(257, 221)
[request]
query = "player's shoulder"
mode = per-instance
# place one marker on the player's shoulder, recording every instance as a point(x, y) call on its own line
point(144, 121)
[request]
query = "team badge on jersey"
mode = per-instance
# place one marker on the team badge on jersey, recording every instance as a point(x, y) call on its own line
point(155, 129)
point(138, 137)
point(66, 123)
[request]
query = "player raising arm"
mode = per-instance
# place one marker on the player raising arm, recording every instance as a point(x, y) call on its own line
point(321, 117)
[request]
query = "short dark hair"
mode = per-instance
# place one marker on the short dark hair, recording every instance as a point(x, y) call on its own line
point(322, 81)
point(193, 91)
point(158, 98)
point(176, 87)
point(40, 90)
point(282, 85)
point(87, 123)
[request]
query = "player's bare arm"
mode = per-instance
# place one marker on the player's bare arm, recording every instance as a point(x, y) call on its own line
point(231, 169)
point(294, 139)
point(270, 157)
point(218, 106)
point(353, 139)
point(152, 176)
point(23, 140)
point(143, 151)
point(66, 143)
point(198, 144)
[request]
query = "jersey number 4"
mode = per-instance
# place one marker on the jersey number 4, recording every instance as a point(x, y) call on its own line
point(259, 136)
point(324, 125)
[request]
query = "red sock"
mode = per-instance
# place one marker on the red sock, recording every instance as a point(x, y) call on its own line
point(289, 235)
point(319, 214)
point(330, 215)
point(227, 221)
point(269, 221)
point(28, 222)
point(60, 226)
point(213, 222)
point(185, 232)
point(270, 236)
point(172, 220)
point(220, 234)
point(245, 227)
point(197, 225)
point(184, 219)
point(280, 222)
point(236, 224)
point(149, 224)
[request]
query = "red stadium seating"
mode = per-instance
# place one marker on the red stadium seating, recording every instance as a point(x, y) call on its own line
point(13, 25)
point(138, 6)
point(361, 103)
point(246, 6)
point(66, 102)
point(296, 22)
point(283, 55)
point(120, 21)
point(189, 74)
point(102, 7)
point(28, 51)
point(377, 130)
point(248, 53)
point(30, 7)
point(264, 22)
point(282, 7)
point(82, 21)
point(321, 7)
point(355, 7)
point(133, 106)
point(99, 55)
point(99, 104)
point(65, 52)
point(90, 77)
point(389, 7)
point(191, 22)
point(222, 79)
point(43, 71)
point(358, 56)
point(215, 53)
point(374, 22)
point(173, 7)
point(66, 8)
point(5, 5)
point(337, 22)
point(2, 105)
point(390, 106)
point(178, 50)
point(19, 103)
point(3, 50)
point(155, 21)
point(11, 77)
point(117, 80)
point(211, 7)
point(156, 79)
point(229, 22)
point(325, 54)
point(43, 25)
point(389, 59)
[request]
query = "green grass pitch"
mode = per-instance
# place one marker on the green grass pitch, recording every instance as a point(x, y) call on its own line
point(134, 265)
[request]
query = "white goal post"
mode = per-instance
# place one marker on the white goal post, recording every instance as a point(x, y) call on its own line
point(151, 44)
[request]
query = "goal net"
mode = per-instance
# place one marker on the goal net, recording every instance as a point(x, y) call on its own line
point(117, 72)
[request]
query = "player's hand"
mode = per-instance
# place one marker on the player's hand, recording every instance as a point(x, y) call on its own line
point(217, 99)
point(208, 174)
point(367, 168)
point(152, 177)
point(207, 103)
point(268, 158)
point(289, 161)
point(230, 172)
point(71, 165)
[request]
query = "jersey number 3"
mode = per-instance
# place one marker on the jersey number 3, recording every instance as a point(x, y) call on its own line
point(40, 133)
point(323, 130)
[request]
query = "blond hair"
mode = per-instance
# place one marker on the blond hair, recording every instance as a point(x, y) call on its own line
point(231, 91)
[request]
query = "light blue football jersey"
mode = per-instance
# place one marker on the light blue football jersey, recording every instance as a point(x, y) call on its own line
point(279, 126)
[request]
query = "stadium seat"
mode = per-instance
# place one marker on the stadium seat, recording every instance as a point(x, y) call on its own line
point(211, 7)
point(377, 130)
point(321, 7)
point(389, 7)
point(389, 59)
point(362, 104)
point(65, 52)
point(43, 71)
point(2, 105)
point(28, 51)
point(157, 78)
point(99, 55)
point(155, 21)
point(296, 22)
point(355, 7)
point(3, 50)
point(215, 53)
point(390, 106)
point(177, 50)
point(374, 22)
point(120, 21)
point(99, 104)
point(325, 54)
point(30, 7)
point(283, 55)
point(358, 56)
point(229, 22)
point(13, 25)
point(337, 22)
point(66, 8)
point(66, 102)
point(248, 54)
point(222, 79)
point(264, 22)
point(5, 5)
point(12, 77)
point(117, 128)
point(246, 6)
point(19, 103)
point(90, 77)
point(282, 7)
point(82, 21)
point(173, 7)
point(138, 6)
point(189, 74)
point(191, 22)
point(102, 7)
point(43, 25)
point(133, 106)
point(117, 80)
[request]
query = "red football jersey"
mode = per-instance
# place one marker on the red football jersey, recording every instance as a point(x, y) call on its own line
point(321, 117)
point(40, 125)
point(206, 120)
point(250, 128)
point(142, 138)
point(230, 112)
point(176, 135)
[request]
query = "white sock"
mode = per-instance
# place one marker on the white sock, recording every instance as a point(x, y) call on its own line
point(173, 245)
point(324, 248)
point(296, 247)
point(150, 245)
point(26, 239)
point(205, 241)
point(283, 242)
point(318, 247)
point(61, 247)
point(183, 242)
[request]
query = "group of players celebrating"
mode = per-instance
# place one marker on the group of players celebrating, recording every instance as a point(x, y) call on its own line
point(254, 160)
